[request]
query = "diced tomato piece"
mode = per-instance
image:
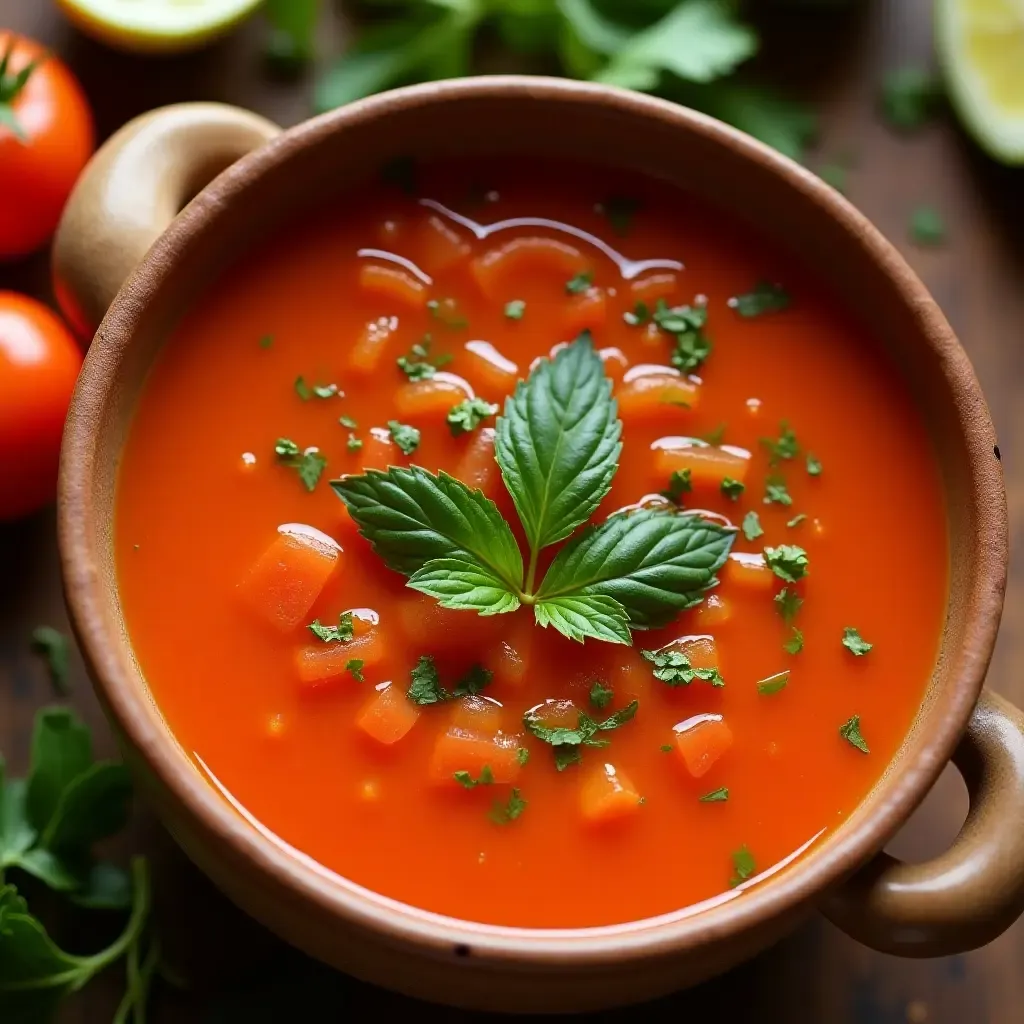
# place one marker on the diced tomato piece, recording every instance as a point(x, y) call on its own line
point(708, 464)
point(477, 467)
point(607, 795)
point(479, 714)
point(748, 570)
point(488, 370)
point(371, 344)
point(419, 399)
point(655, 395)
point(441, 246)
point(714, 611)
point(701, 741)
point(615, 362)
point(389, 715)
point(498, 270)
point(393, 283)
point(586, 311)
point(653, 287)
point(429, 627)
point(468, 750)
point(510, 660)
point(287, 578)
point(378, 451)
point(320, 663)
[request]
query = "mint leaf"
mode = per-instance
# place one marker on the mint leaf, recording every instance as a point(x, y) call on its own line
point(855, 643)
point(752, 526)
point(850, 731)
point(412, 517)
point(463, 584)
point(579, 616)
point(343, 632)
point(425, 685)
point(600, 695)
point(654, 563)
point(558, 443)
point(788, 561)
point(765, 297)
point(469, 414)
point(405, 437)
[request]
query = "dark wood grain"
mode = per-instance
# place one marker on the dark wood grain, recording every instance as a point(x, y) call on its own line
point(817, 976)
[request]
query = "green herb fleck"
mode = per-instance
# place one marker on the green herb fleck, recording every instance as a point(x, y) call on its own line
point(743, 866)
point(679, 483)
point(909, 97)
point(266, 341)
point(407, 438)
point(752, 526)
point(467, 781)
point(343, 632)
point(788, 602)
point(788, 561)
point(927, 226)
point(772, 684)
point(785, 447)
point(640, 314)
point(580, 283)
point(666, 748)
point(686, 324)
point(795, 644)
point(776, 493)
point(813, 465)
point(354, 667)
point(325, 390)
point(353, 444)
point(302, 389)
point(522, 755)
point(566, 742)
point(515, 309)
point(447, 312)
point(716, 796)
point(425, 687)
point(600, 695)
point(732, 489)
point(715, 436)
point(765, 297)
point(309, 464)
point(620, 211)
point(797, 520)
point(469, 414)
point(419, 364)
point(850, 731)
point(673, 668)
point(473, 682)
point(503, 814)
point(855, 643)
point(347, 421)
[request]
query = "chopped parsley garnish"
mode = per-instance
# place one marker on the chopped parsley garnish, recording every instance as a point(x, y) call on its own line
point(475, 680)
point(927, 226)
point(743, 866)
point(447, 311)
point(909, 96)
point(302, 389)
point(309, 464)
point(467, 781)
point(419, 364)
point(679, 483)
point(640, 314)
point(52, 645)
point(795, 644)
point(772, 684)
point(600, 695)
point(850, 731)
point(353, 444)
point(502, 814)
point(789, 604)
point(580, 283)
point(325, 390)
point(765, 297)
point(813, 465)
point(788, 561)
point(797, 520)
point(785, 447)
point(515, 309)
point(716, 796)
point(732, 489)
point(354, 667)
point(752, 526)
point(347, 421)
point(469, 414)
point(343, 632)
point(674, 669)
point(775, 492)
point(566, 742)
point(407, 438)
point(522, 755)
point(855, 643)
point(266, 341)
point(620, 211)
point(687, 324)
point(425, 687)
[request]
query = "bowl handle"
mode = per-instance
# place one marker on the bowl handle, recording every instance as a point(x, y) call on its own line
point(132, 189)
point(974, 891)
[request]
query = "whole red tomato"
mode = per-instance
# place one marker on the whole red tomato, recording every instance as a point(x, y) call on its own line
point(39, 364)
point(46, 137)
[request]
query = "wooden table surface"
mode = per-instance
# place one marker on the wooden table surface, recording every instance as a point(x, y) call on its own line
point(817, 976)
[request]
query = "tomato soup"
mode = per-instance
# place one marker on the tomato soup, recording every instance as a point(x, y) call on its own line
point(707, 530)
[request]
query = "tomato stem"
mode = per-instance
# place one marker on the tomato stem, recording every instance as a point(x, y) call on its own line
point(10, 88)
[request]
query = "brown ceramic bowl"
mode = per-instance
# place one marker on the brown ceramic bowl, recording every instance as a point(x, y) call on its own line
point(128, 202)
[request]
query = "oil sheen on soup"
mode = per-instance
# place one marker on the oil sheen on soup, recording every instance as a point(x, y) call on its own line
point(707, 531)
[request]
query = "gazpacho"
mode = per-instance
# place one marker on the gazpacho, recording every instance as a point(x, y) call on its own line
point(531, 544)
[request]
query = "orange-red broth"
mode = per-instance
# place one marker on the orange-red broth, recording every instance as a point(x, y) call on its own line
point(201, 496)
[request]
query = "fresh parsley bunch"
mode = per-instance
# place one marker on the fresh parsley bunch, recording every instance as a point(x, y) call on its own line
point(557, 445)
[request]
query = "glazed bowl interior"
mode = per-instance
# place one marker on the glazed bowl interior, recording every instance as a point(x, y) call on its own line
point(310, 165)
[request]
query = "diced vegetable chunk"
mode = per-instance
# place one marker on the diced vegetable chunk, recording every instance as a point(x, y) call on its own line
point(480, 714)
point(477, 467)
point(498, 270)
point(371, 344)
point(441, 246)
point(317, 664)
point(389, 715)
point(653, 287)
point(394, 284)
point(607, 795)
point(429, 627)
point(378, 451)
point(708, 464)
point(651, 396)
point(714, 611)
point(701, 741)
point(748, 570)
point(469, 750)
point(587, 311)
point(510, 659)
point(431, 398)
point(287, 578)
point(487, 369)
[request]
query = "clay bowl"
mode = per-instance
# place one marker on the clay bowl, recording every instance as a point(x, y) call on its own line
point(128, 202)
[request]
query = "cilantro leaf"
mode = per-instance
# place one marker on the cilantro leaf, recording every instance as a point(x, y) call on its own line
point(775, 492)
point(579, 616)
point(654, 563)
point(788, 602)
point(786, 447)
point(686, 324)
point(600, 695)
point(419, 364)
point(788, 561)
point(719, 795)
point(407, 438)
point(673, 668)
point(743, 866)
point(515, 309)
point(909, 97)
point(425, 685)
point(309, 464)
point(855, 643)
point(53, 645)
point(772, 684)
point(850, 731)
point(469, 414)
point(503, 814)
point(679, 483)
point(927, 226)
point(558, 443)
point(795, 644)
point(473, 682)
point(580, 283)
point(413, 518)
point(567, 741)
point(343, 632)
point(731, 489)
point(466, 780)
point(752, 526)
point(354, 667)
point(813, 465)
point(764, 297)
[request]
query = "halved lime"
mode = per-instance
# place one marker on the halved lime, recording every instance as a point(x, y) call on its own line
point(981, 46)
point(150, 26)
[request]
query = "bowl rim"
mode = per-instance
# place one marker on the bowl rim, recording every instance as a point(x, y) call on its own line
point(123, 690)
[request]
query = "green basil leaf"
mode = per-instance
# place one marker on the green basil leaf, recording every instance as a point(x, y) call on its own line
point(464, 584)
point(94, 806)
point(654, 563)
point(412, 517)
point(579, 616)
point(558, 443)
point(61, 751)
